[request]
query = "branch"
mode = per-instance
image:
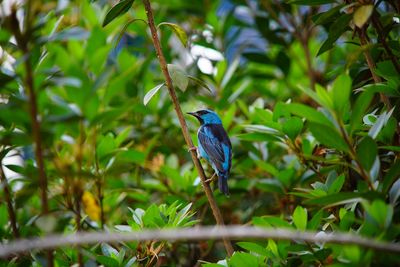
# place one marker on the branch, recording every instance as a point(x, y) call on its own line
point(7, 197)
point(23, 43)
point(380, 31)
point(185, 131)
point(194, 233)
point(362, 34)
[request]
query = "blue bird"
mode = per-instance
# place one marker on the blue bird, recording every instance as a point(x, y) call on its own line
point(214, 145)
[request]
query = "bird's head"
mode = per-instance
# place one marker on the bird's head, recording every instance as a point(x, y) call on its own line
point(206, 116)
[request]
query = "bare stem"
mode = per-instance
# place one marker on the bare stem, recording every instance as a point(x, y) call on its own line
point(10, 208)
point(185, 131)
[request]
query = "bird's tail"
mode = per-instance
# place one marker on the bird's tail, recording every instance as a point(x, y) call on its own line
point(223, 183)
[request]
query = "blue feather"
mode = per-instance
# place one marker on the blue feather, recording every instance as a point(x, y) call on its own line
point(215, 146)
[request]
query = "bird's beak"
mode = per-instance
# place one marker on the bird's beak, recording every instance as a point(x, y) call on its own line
point(194, 114)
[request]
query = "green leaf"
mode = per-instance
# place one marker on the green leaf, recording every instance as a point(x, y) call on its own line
point(178, 30)
point(367, 151)
point(313, 224)
point(178, 76)
point(391, 176)
point(307, 112)
point(330, 138)
point(337, 184)
point(300, 218)
point(241, 259)
point(311, 2)
point(335, 31)
point(119, 9)
point(200, 83)
point(362, 15)
point(253, 247)
point(361, 105)
point(292, 127)
point(341, 198)
point(380, 211)
point(149, 95)
point(107, 261)
point(341, 93)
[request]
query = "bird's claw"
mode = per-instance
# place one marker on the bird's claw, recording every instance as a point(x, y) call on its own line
point(211, 179)
point(193, 148)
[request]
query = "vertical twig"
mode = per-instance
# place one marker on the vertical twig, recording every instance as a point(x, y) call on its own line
point(186, 135)
point(380, 32)
point(362, 34)
point(23, 43)
point(10, 208)
point(78, 190)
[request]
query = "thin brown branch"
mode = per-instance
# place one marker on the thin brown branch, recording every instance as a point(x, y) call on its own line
point(23, 43)
point(380, 31)
point(194, 233)
point(362, 34)
point(185, 131)
point(78, 190)
point(10, 208)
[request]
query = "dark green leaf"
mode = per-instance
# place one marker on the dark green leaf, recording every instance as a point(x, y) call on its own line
point(311, 2)
point(119, 9)
point(360, 106)
point(367, 151)
point(391, 176)
point(335, 31)
point(200, 83)
point(330, 138)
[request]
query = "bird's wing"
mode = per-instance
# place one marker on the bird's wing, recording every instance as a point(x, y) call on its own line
point(213, 143)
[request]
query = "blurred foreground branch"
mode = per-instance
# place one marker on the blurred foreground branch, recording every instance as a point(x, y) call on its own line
point(196, 233)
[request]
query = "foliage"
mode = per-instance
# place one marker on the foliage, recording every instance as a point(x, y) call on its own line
point(307, 90)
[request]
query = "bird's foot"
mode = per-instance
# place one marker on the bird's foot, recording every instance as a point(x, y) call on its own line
point(193, 148)
point(212, 179)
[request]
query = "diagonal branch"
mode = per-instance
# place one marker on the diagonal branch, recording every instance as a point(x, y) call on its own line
point(185, 131)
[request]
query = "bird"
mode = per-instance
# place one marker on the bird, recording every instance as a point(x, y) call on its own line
point(214, 146)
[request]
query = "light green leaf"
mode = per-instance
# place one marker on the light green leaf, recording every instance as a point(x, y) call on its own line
point(292, 127)
point(178, 30)
point(151, 93)
point(362, 14)
point(300, 218)
point(341, 93)
point(253, 247)
point(241, 259)
point(307, 112)
point(178, 76)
